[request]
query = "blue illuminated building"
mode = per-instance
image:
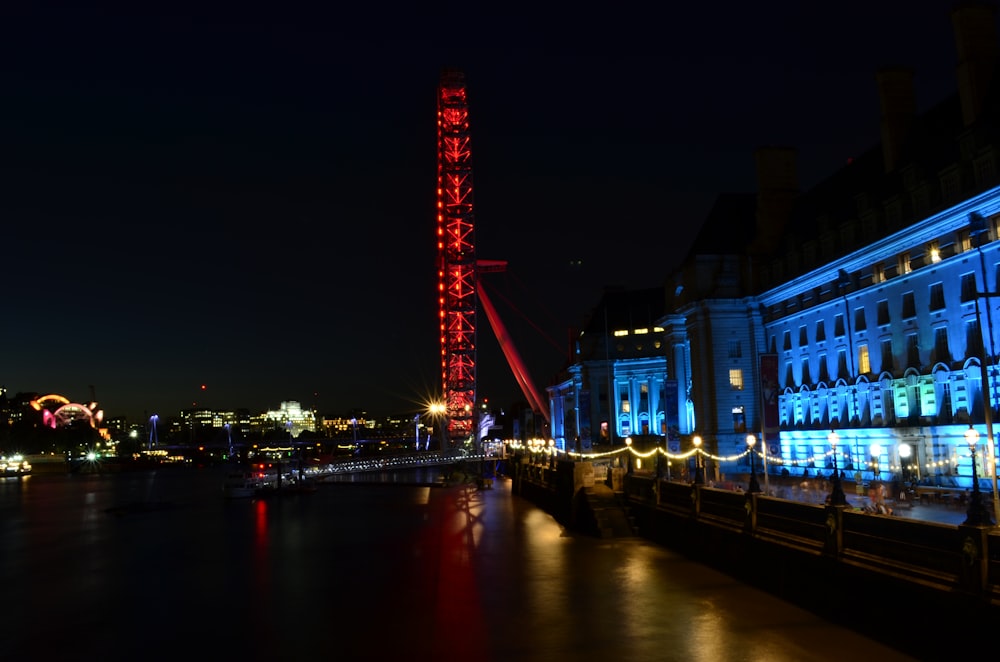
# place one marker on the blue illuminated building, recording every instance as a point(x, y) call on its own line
point(865, 306)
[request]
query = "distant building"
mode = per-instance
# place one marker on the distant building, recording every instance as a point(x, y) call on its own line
point(618, 384)
point(292, 417)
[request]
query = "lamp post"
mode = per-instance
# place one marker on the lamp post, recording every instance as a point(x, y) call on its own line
point(438, 412)
point(837, 496)
point(628, 451)
point(699, 473)
point(979, 229)
point(153, 438)
point(659, 461)
point(754, 486)
point(976, 515)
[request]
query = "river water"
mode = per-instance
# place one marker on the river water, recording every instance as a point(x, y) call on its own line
point(157, 565)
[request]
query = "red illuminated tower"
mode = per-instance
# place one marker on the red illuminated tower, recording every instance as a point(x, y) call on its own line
point(457, 297)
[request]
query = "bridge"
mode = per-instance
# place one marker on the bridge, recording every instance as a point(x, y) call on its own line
point(391, 462)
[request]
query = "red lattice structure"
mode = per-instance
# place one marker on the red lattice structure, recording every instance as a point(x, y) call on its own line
point(457, 299)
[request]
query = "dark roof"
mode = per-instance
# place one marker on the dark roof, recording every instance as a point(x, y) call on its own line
point(621, 308)
point(729, 227)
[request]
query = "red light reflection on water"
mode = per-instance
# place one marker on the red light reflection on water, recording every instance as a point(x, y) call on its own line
point(459, 619)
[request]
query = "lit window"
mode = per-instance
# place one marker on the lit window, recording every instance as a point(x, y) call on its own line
point(640, 332)
point(904, 264)
point(964, 241)
point(934, 252)
point(864, 366)
point(657, 329)
point(736, 379)
point(620, 333)
point(739, 420)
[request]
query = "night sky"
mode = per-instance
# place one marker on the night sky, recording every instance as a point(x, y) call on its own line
point(241, 196)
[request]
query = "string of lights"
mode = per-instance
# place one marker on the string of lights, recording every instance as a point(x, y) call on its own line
point(548, 449)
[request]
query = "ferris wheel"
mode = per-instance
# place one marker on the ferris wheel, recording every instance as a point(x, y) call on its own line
point(457, 297)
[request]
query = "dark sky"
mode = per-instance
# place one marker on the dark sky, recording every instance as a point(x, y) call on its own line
point(242, 195)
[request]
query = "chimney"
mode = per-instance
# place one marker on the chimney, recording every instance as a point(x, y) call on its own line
point(976, 43)
point(777, 188)
point(899, 108)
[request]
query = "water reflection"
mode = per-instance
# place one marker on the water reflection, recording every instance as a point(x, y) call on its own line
point(160, 567)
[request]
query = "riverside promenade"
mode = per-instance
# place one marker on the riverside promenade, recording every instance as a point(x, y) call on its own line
point(876, 573)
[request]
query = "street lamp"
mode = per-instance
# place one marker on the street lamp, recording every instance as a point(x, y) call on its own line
point(976, 515)
point(153, 438)
point(628, 446)
point(754, 486)
point(876, 451)
point(837, 496)
point(438, 412)
point(904, 461)
point(699, 473)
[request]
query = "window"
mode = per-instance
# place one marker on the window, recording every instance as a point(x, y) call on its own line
point(878, 274)
point(984, 170)
point(842, 364)
point(864, 365)
point(949, 186)
point(859, 320)
point(787, 341)
point(803, 337)
point(937, 296)
point(820, 331)
point(973, 338)
point(789, 377)
point(912, 351)
point(968, 287)
point(941, 353)
point(904, 264)
point(909, 308)
point(964, 241)
point(735, 351)
point(739, 420)
point(883, 313)
point(806, 377)
point(838, 326)
point(736, 379)
point(824, 373)
point(887, 362)
point(933, 252)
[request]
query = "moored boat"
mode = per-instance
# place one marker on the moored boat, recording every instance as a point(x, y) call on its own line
point(249, 482)
point(14, 465)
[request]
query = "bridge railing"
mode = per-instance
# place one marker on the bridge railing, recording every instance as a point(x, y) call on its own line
point(388, 462)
